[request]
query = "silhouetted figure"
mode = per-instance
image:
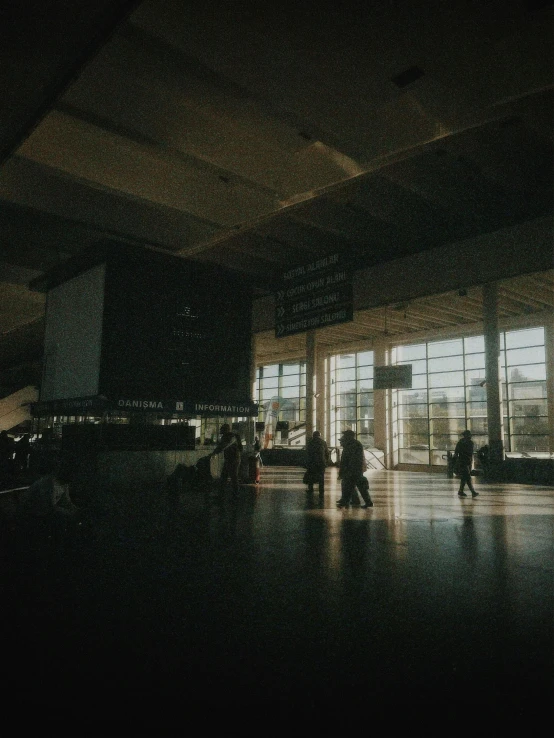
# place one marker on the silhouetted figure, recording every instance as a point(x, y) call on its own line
point(21, 453)
point(203, 481)
point(257, 450)
point(463, 462)
point(42, 456)
point(47, 522)
point(230, 444)
point(48, 498)
point(317, 459)
point(351, 470)
point(188, 479)
point(181, 479)
point(6, 458)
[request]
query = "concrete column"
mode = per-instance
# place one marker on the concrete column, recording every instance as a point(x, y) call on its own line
point(380, 405)
point(310, 373)
point(252, 421)
point(320, 392)
point(492, 372)
point(328, 398)
point(549, 349)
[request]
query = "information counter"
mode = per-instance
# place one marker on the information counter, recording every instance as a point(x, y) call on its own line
point(113, 459)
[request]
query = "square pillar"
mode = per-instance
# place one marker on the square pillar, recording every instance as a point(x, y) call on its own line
point(310, 375)
point(320, 393)
point(492, 372)
point(380, 405)
point(549, 350)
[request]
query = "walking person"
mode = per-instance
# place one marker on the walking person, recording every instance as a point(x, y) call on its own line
point(351, 470)
point(317, 459)
point(463, 462)
point(230, 444)
point(258, 449)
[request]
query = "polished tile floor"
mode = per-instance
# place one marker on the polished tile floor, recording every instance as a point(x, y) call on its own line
point(427, 611)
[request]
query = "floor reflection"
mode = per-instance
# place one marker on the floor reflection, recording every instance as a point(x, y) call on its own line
point(274, 601)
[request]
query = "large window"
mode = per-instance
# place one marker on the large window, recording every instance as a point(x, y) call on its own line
point(285, 385)
point(351, 400)
point(524, 390)
point(449, 394)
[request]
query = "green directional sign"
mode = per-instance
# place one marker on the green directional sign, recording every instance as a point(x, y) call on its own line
point(392, 377)
point(315, 295)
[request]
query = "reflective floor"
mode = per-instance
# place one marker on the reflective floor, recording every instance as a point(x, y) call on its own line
point(427, 611)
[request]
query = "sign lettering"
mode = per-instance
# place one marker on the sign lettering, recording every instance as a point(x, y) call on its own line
point(314, 296)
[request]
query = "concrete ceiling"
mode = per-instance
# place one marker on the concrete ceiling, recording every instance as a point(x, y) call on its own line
point(255, 136)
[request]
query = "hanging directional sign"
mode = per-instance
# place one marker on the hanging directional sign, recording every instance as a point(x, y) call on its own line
point(392, 377)
point(315, 295)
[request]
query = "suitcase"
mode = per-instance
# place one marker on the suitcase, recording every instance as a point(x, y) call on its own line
point(180, 480)
point(254, 470)
point(204, 478)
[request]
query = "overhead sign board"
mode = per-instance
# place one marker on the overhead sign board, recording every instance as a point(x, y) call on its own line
point(103, 337)
point(99, 405)
point(315, 295)
point(392, 377)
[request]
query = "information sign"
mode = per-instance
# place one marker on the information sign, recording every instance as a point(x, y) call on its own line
point(315, 295)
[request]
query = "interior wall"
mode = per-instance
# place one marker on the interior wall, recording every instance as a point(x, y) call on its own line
point(506, 253)
point(73, 337)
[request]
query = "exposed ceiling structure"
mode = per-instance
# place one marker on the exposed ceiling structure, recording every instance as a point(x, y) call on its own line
point(255, 136)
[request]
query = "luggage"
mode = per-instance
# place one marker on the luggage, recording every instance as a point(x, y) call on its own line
point(363, 486)
point(249, 472)
point(181, 478)
point(203, 473)
point(196, 478)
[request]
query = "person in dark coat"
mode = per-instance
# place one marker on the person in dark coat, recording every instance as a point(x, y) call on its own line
point(317, 459)
point(258, 450)
point(47, 522)
point(49, 497)
point(230, 444)
point(463, 462)
point(351, 470)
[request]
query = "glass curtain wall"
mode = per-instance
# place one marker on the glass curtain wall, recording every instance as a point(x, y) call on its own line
point(449, 395)
point(524, 391)
point(351, 400)
point(284, 384)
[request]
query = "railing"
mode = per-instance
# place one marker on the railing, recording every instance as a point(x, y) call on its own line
point(336, 454)
point(379, 461)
